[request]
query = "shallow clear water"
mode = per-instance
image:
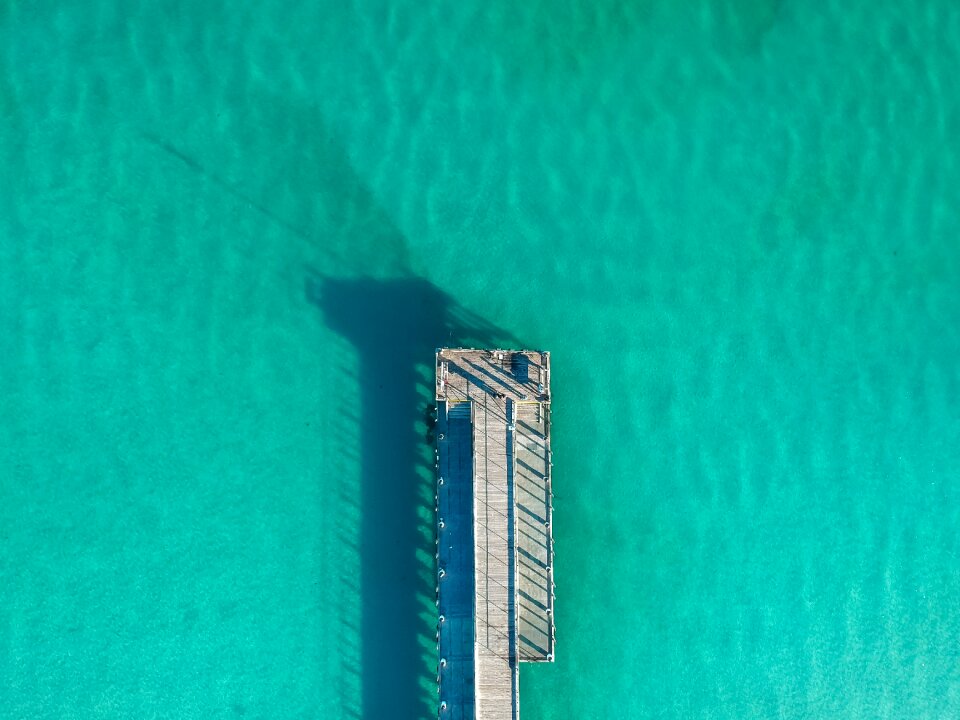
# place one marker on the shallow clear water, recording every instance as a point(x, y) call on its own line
point(231, 235)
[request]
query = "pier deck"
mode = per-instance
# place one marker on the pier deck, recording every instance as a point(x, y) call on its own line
point(493, 445)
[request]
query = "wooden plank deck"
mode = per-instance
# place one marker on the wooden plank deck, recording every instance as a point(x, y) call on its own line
point(493, 552)
point(512, 556)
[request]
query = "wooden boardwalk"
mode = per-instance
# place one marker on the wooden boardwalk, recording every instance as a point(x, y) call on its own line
point(493, 553)
point(506, 397)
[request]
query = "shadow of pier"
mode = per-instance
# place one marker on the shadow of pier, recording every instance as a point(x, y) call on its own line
point(395, 325)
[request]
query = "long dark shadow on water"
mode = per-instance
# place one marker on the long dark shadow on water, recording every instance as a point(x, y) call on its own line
point(395, 326)
point(284, 162)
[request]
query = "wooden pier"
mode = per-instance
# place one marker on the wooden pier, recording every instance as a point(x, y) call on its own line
point(495, 543)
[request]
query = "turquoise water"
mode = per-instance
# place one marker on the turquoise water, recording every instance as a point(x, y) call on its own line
point(231, 235)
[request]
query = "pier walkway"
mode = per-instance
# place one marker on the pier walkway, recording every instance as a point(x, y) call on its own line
point(495, 551)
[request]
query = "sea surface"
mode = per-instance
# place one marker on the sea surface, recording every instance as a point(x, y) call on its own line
point(233, 233)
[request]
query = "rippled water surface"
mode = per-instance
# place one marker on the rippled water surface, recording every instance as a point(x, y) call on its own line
point(232, 234)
